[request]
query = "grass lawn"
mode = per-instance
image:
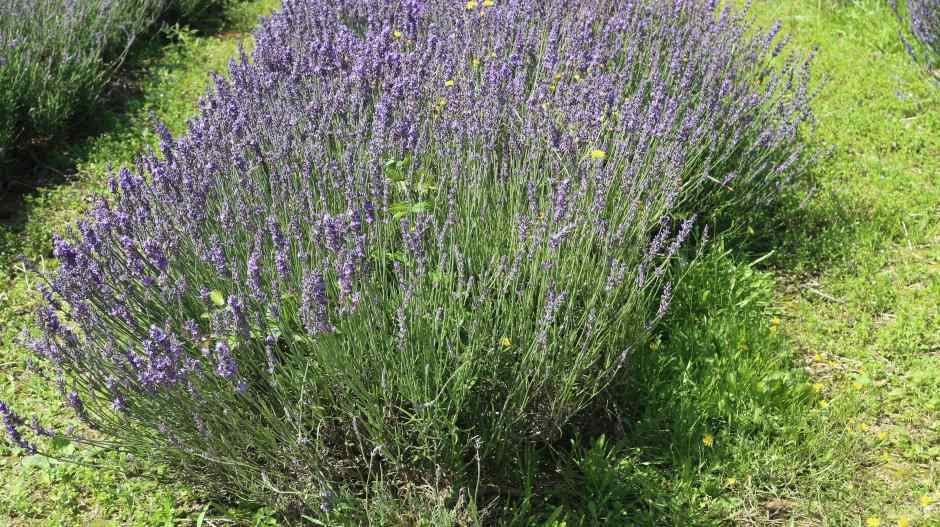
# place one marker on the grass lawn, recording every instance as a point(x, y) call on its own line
point(797, 378)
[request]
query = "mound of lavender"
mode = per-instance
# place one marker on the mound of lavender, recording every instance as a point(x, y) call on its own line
point(410, 239)
point(922, 18)
point(56, 56)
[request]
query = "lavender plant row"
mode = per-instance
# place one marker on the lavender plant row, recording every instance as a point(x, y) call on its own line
point(412, 238)
point(57, 55)
point(922, 18)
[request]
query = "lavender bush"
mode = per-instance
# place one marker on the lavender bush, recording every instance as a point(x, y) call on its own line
point(922, 18)
point(57, 55)
point(410, 239)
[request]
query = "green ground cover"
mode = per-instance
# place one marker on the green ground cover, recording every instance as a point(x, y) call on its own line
point(796, 382)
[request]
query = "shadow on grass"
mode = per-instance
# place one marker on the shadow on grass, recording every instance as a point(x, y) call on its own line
point(705, 423)
point(806, 232)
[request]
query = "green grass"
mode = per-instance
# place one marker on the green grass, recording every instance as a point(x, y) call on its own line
point(861, 287)
point(811, 359)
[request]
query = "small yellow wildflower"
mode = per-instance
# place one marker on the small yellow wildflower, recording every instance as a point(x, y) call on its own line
point(863, 427)
point(475, 62)
point(505, 342)
point(824, 404)
point(873, 522)
point(818, 358)
point(882, 435)
point(488, 3)
point(449, 83)
point(904, 521)
point(775, 322)
point(818, 387)
point(472, 4)
point(731, 482)
point(925, 500)
point(856, 385)
point(598, 154)
point(708, 440)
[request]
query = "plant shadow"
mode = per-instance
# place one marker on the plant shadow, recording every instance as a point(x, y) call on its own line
point(715, 387)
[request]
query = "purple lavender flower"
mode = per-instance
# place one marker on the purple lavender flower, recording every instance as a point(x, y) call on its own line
point(254, 273)
point(922, 18)
point(225, 362)
point(12, 422)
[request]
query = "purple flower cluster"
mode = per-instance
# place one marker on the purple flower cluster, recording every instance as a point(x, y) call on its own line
point(385, 190)
point(922, 18)
point(12, 422)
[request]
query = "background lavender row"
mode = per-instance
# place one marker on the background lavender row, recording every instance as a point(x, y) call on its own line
point(414, 237)
point(922, 18)
point(57, 55)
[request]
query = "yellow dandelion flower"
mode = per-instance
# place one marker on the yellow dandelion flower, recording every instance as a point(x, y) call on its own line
point(775, 322)
point(397, 34)
point(856, 385)
point(882, 435)
point(505, 342)
point(449, 83)
point(708, 440)
point(818, 358)
point(824, 403)
point(925, 500)
point(818, 387)
point(471, 4)
point(873, 522)
point(731, 482)
point(598, 154)
point(488, 3)
point(904, 521)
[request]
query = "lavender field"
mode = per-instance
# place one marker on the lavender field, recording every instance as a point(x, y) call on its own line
point(501, 262)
